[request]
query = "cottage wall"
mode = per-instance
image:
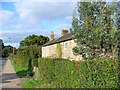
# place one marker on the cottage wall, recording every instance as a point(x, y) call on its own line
point(50, 51)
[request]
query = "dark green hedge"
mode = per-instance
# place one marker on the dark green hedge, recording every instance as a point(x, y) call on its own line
point(84, 74)
point(25, 53)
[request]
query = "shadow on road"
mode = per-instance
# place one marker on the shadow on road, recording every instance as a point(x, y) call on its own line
point(2, 63)
point(3, 58)
point(6, 78)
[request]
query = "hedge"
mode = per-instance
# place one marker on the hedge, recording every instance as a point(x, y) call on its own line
point(29, 52)
point(84, 74)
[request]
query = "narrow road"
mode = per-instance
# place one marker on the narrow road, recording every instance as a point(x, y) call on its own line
point(8, 76)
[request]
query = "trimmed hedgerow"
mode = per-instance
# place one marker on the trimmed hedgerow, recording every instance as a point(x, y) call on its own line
point(27, 57)
point(24, 54)
point(70, 74)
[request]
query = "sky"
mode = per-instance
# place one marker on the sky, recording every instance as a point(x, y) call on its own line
point(23, 18)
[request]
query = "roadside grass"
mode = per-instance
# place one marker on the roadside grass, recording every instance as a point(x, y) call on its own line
point(39, 83)
point(20, 71)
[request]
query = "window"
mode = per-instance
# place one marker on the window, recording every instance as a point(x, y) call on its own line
point(45, 50)
point(65, 57)
point(71, 59)
point(65, 45)
point(52, 48)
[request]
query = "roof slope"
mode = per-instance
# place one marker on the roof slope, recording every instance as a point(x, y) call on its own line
point(66, 37)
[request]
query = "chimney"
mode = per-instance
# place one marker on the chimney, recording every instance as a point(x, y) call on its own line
point(51, 35)
point(64, 31)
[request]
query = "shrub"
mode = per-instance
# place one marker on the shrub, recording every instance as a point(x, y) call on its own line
point(20, 60)
point(27, 57)
point(35, 62)
point(70, 74)
point(25, 53)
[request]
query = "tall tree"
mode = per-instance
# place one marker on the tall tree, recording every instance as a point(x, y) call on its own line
point(34, 40)
point(1, 47)
point(93, 30)
point(1, 44)
point(7, 50)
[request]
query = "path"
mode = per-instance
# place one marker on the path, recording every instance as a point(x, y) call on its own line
point(9, 78)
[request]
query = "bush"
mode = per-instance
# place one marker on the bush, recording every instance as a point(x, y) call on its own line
point(27, 57)
point(35, 62)
point(20, 60)
point(25, 53)
point(70, 74)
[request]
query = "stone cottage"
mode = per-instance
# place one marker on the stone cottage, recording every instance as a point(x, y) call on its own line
point(60, 47)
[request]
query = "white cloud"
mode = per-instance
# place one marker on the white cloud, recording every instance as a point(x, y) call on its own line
point(33, 12)
point(18, 35)
point(39, 0)
point(17, 27)
point(15, 31)
point(69, 19)
point(31, 16)
point(59, 0)
point(12, 44)
point(62, 26)
point(6, 16)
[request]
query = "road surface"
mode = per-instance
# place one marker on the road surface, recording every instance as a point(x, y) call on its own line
point(8, 77)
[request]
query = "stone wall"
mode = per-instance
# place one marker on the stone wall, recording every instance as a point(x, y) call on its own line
point(50, 51)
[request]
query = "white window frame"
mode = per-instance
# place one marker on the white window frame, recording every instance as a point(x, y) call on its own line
point(52, 48)
point(65, 57)
point(65, 45)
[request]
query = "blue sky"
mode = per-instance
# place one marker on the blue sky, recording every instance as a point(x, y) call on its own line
point(20, 19)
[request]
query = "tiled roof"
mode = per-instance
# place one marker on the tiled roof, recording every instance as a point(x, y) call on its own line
point(66, 37)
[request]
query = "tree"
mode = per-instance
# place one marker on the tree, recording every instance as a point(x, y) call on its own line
point(7, 50)
point(115, 6)
point(34, 40)
point(116, 11)
point(32, 52)
point(93, 30)
point(1, 47)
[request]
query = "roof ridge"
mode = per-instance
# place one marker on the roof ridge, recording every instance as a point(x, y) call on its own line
point(62, 38)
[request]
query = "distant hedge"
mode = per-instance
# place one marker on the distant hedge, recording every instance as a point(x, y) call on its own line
point(25, 53)
point(63, 73)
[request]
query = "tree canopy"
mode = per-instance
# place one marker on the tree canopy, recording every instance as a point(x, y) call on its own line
point(94, 32)
point(7, 50)
point(34, 40)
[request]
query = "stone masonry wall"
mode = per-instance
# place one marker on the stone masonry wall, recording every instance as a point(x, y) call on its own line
point(50, 51)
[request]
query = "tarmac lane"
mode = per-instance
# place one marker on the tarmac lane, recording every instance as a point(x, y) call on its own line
point(8, 76)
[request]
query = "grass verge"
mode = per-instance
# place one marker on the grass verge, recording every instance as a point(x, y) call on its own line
point(39, 83)
point(20, 71)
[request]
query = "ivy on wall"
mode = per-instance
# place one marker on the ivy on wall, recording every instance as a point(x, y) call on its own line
point(59, 50)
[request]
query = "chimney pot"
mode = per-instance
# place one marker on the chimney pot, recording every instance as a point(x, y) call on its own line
point(64, 31)
point(51, 35)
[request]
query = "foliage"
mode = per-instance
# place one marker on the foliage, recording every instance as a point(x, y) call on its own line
point(34, 40)
point(30, 67)
point(27, 57)
point(31, 84)
point(7, 50)
point(25, 53)
point(116, 7)
point(37, 84)
point(20, 60)
point(29, 51)
point(35, 62)
point(1, 47)
point(21, 71)
point(63, 73)
point(1, 44)
point(95, 35)
point(59, 50)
